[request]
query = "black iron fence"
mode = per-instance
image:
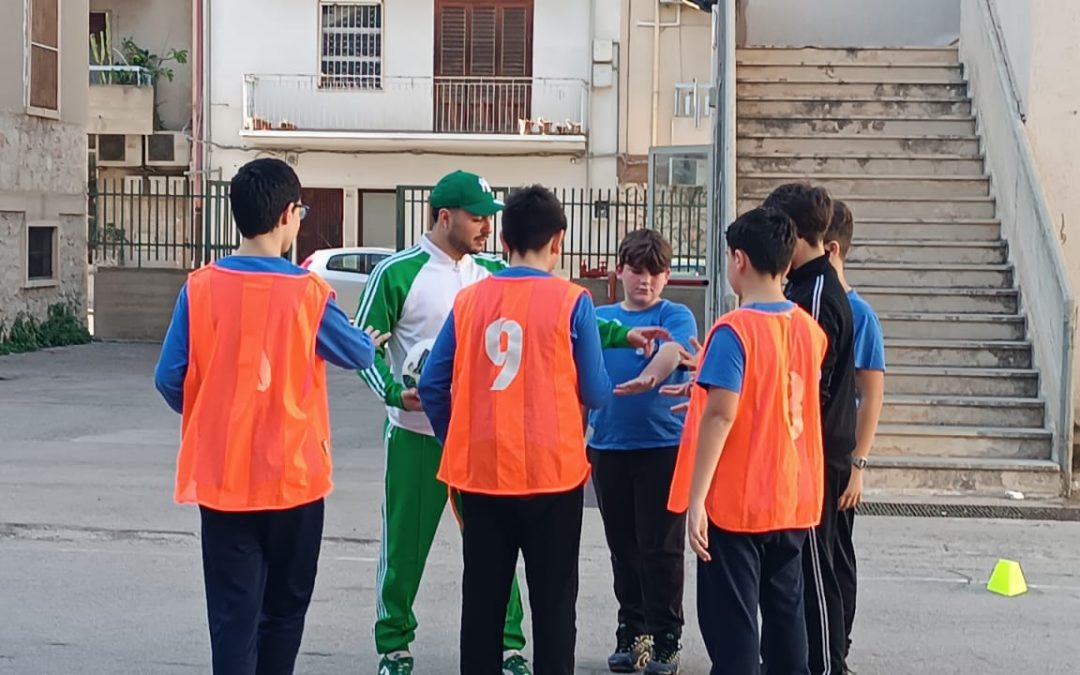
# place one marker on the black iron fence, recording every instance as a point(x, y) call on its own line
point(159, 221)
point(597, 220)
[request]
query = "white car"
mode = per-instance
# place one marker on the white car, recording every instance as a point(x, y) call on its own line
point(346, 270)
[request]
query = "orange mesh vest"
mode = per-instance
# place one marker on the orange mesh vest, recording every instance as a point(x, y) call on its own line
point(771, 474)
point(256, 426)
point(515, 412)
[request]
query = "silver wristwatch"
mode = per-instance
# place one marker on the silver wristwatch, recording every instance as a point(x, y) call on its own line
point(859, 462)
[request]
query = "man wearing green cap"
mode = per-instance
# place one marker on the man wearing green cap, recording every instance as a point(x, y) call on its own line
point(410, 295)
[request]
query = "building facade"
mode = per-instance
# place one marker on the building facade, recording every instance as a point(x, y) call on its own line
point(43, 104)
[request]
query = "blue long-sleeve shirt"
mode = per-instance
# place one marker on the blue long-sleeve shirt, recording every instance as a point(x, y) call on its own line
point(594, 385)
point(338, 342)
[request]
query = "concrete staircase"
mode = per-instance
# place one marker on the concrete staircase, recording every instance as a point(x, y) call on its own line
point(892, 133)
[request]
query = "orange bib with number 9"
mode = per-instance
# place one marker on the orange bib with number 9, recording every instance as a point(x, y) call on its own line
point(516, 426)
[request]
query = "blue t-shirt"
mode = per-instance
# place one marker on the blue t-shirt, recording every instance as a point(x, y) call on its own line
point(869, 343)
point(725, 359)
point(642, 421)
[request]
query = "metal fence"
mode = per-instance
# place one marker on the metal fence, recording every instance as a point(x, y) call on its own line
point(597, 220)
point(158, 221)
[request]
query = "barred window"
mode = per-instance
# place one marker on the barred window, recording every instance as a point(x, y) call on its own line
point(351, 45)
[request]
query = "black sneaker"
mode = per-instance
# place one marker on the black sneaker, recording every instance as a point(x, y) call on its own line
point(632, 652)
point(665, 657)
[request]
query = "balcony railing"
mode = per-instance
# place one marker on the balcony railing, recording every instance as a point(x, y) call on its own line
point(123, 75)
point(450, 105)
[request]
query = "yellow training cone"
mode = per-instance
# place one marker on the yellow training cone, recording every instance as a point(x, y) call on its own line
point(1007, 579)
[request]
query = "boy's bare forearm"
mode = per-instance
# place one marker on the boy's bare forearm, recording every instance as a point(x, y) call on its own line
point(665, 362)
point(871, 386)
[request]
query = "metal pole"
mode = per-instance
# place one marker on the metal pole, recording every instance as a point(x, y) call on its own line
point(722, 201)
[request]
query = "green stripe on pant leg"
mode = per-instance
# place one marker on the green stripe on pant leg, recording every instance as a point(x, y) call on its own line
point(413, 504)
point(513, 634)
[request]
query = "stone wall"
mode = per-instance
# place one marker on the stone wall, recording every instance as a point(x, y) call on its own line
point(42, 181)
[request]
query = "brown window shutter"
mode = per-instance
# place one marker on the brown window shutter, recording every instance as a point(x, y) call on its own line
point(45, 29)
point(514, 56)
point(482, 39)
point(452, 38)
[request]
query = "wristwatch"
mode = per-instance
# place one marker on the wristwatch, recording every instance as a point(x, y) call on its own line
point(859, 462)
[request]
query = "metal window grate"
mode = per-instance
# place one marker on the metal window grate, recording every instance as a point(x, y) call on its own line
point(351, 35)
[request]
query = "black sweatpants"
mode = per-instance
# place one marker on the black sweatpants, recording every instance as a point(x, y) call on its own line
point(646, 540)
point(547, 531)
point(846, 570)
point(259, 568)
point(823, 598)
point(748, 571)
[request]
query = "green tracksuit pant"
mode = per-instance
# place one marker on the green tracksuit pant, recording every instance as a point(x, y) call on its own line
point(413, 504)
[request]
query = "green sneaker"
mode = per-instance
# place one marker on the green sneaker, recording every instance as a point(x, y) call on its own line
point(515, 664)
point(397, 663)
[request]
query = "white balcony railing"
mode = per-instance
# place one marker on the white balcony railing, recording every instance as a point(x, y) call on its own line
point(123, 75)
point(459, 105)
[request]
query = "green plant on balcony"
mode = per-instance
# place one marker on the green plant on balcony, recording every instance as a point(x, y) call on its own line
point(131, 54)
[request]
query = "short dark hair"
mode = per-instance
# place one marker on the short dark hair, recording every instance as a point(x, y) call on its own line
point(259, 192)
point(808, 206)
point(766, 236)
point(645, 249)
point(531, 218)
point(841, 227)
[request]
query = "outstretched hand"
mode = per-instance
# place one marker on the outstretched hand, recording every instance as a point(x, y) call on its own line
point(645, 338)
point(377, 337)
point(678, 390)
point(638, 385)
point(689, 360)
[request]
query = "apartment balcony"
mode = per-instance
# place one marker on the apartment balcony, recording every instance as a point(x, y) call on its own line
point(494, 115)
point(121, 100)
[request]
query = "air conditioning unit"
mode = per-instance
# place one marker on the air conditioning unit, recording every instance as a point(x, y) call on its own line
point(119, 150)
point(688, 172)
point(168, 148)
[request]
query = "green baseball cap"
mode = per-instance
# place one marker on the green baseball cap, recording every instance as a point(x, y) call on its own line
point(467, 191)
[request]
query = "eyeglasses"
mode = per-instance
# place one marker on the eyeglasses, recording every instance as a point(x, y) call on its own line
point(304, 210)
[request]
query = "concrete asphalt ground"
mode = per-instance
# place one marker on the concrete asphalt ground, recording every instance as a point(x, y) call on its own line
point(100, 571)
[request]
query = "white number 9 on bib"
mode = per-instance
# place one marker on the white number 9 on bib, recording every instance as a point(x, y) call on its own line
point(508, 356)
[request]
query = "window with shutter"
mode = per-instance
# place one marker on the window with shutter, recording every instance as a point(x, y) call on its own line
point(43, 52)
point(351, 35)
point(483, 65)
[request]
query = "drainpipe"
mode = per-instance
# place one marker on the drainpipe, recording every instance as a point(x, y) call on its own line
point(655, 72)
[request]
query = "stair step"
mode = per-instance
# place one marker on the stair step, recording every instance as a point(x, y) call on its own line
point(834, 108)
point(810, 165)
point(852, 90)
point(984, 353)
point(953, 229)
point(926, 251)
point(953, 475)
point(952, 326)
point(857, 126)
point(872, 208)
point(883, 186)
point(957, 300)
point(929, 275)
point(936, 73)
point(963, 410)
point(927, 380)
point(911, 440)
point(824, 55)
point(832, 145)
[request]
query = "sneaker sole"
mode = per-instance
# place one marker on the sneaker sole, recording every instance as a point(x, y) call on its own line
point(636, 668)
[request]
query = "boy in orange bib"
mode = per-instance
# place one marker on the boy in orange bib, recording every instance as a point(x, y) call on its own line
point(521, 354)
point(750, 468)
point(244, 362)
